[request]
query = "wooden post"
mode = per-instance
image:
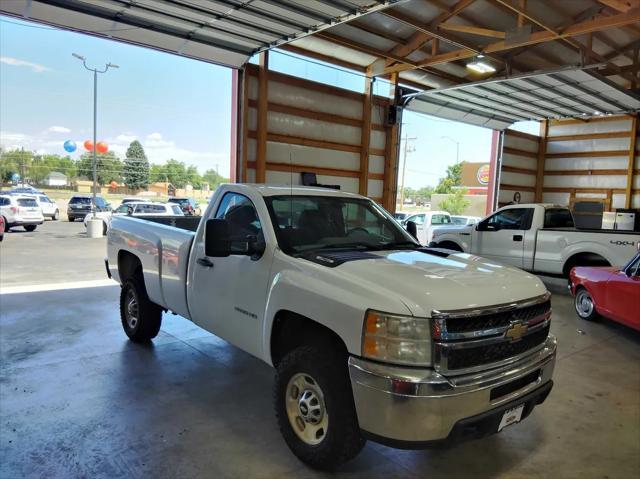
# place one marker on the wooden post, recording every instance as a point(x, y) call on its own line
point(365, 137)
point(263, 104)
point(245, 125)
point(523, 6)
point(542, 154)
point(390, 187)
point(633, 138)
point(235, 119)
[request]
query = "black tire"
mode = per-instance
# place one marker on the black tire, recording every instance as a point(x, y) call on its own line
point(29, 228)
point(342, 440)
point(104, 229)
point(584, 305)
point(56, 216)
point(7, 226)
point(71, 219)
point(141, 321)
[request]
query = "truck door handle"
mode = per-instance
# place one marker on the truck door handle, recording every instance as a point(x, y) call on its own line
point(204, 262)
point(517, 237)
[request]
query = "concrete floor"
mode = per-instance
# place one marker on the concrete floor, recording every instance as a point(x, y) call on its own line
point(79, 400)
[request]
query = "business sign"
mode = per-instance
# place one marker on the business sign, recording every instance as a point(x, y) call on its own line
point(483, 175)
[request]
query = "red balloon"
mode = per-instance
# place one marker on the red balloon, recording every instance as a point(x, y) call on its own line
point(102, 147)
point(88, 145)
point(114, 184)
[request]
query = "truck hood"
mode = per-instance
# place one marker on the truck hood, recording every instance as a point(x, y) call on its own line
point(425, 282)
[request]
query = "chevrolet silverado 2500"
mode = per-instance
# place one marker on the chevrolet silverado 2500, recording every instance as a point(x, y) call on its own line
point(539, 238)
point(371, 334)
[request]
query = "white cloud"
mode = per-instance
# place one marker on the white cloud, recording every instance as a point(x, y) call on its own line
point(154, 136)
point(155, 140)
point(59, 129)
point(125, 138)
point(16, 62)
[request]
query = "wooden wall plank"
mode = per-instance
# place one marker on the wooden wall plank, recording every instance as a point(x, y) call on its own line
point(263, 98)
point(518, 152)
point(390, 183)
point(542, 155)
point(633, 135)
point(515, 169)
point(245, 127)
point(365, 137)
point(590, 136)
point(521, 134)
point(589, 154)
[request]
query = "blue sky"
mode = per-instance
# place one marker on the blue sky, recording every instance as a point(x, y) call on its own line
point(177, 107)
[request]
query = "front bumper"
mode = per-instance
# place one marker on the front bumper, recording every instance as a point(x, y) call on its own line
point(413, 408)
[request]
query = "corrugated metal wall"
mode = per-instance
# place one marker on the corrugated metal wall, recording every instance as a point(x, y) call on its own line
point(594, 158)
point(315, 128)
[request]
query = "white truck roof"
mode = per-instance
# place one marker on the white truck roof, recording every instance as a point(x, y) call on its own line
point(279, 190)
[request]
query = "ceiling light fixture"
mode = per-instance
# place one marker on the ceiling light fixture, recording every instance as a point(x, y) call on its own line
point(480, 67)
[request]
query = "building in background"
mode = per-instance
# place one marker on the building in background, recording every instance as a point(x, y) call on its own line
point(56, 178)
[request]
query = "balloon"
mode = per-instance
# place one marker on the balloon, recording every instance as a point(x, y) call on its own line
point(88, 145)
point(113, 184)
point(102, 147)
point(70, 146)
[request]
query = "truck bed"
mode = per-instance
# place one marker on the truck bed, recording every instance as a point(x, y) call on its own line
point(162, 244)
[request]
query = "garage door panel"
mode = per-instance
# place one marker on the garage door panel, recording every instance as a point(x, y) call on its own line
point(586, 181)
point(601, 163)
point(603, 144)
point(586, 128)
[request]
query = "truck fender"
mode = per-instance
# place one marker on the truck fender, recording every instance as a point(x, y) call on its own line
point(463, 245)
point(585, 248)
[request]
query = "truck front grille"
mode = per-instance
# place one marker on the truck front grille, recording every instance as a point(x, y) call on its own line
point(473, 340)
point(481, 355)
point(498, 319)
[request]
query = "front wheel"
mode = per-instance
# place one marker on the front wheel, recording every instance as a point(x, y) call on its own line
point(56, 216)
point(585, 306)
point(29, 228)
point(315, 409)
point(141, 318)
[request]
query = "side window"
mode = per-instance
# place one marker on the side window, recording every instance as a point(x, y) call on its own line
point(176, 210)
point(634, 268)
point(241, 215)
point(4, 201)
point(417, 219)
point(558, 218)
point(440, 220)
point(122, 208)
point(511, 219)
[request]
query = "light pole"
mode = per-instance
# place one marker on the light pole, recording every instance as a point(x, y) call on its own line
point(407, 149)
point(95, 121)
point(457, 146)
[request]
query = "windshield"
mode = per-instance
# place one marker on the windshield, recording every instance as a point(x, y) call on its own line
point(80, 200)
point(180, 201)
point(308, 223)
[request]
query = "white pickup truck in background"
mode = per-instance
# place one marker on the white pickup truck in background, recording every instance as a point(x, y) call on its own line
point(372, 335)
point(540, 238)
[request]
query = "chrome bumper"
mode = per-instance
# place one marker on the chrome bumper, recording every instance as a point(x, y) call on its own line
point(408, 405)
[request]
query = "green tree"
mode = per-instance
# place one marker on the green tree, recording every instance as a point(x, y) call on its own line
point(456, 203)
point(452, 178)
point(108, 167)
point(176, 172)
point(193, 177)
point(136, 166)
point(15, 161)
point(214, 179)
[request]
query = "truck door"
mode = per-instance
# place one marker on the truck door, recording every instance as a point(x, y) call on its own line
point(501, 236)
point(227, 295)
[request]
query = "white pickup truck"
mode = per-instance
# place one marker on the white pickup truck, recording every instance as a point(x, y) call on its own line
point(540, 238)
point(372, 335)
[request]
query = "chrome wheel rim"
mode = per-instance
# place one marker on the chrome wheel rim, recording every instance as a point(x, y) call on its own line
point(584, 304)
point(306, 409)
point(131, 306)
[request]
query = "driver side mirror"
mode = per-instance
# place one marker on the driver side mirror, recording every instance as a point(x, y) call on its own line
point(412, 229)
point(217, 238)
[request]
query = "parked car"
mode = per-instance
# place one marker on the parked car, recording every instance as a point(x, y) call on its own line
point(49, 207)
point(539, 238)
point(371, 334)
point(1, 227)
point(189, 205)
point(138, 208)
point(134, 199)
point(401, 216)
point(465, 220)
point(20, 211)
point(427, 222)
point(25, 190)
point(611, 292)
point(80, 205)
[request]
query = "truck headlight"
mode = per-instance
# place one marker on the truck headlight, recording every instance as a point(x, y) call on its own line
point(396, 339)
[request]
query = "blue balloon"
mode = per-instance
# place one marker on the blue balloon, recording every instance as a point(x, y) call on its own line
point(70, 146)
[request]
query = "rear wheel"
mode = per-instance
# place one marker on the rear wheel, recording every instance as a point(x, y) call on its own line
point(71, 218)
point(585, 306)
point(56, 216)
point(30, 227)
point(314, 407)
point(141, 318)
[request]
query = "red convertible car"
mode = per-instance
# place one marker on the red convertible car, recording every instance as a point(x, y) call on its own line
point(611, 292)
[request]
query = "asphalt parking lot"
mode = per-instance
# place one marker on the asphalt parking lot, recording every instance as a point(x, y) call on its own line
point(77, 399)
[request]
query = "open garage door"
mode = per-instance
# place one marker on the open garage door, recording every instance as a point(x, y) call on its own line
point(226, 32)
point(499, 103)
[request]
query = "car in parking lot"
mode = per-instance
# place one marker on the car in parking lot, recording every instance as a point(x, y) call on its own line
point(426, 223)
point(465, 220)
point(189, 205)
point(134, 199)
point(49, 207)
point(137, 208)
point(80, 205)
point(610, 292)
point(19, 210)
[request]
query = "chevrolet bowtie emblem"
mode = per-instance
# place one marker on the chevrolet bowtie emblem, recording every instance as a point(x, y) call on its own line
point(516, 330)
